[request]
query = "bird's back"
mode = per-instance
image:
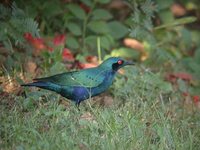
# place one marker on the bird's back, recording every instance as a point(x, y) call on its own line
point(87, 78)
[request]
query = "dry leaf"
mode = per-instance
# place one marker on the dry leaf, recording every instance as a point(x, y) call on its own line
point(87, 116)
point(30, 67)
point(137, 45)
point(178, 10)
point(132, 43)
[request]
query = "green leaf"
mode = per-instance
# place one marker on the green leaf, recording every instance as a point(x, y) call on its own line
point(197, 55)
point(28, 103)
point(186, 39)
point(104, 1)
point(98, 26)
point(106, 41)
point(9, 63)
point(117, 29)
point(87, 2)
point(101, 14)
point(182, 85)
point(51, 9)
point(8, 45)
point(164, 4)
point(77, 11)
point(91, 41)
point(74, 28)
point(29, 25)
point(166, 16)
point(125, 52)
point(72, 43)
point(177, 22)
point(165, 87)
point(58, 67)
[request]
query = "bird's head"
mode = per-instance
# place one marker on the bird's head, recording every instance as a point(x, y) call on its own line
point(115, 63)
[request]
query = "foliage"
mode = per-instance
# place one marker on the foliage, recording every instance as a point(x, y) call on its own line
point(168, 43)
point(84, 21)
point(152, 107)
point(14, 23)
point(143, 12)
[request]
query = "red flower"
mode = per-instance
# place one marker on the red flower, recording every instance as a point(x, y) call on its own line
point(67, 55)
point(196, 99)
point(59, 40)
point(185, 94)
point(50, 49)
point(37, 43)
point(28, 36)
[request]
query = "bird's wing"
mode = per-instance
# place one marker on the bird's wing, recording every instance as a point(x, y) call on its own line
point(87, 78)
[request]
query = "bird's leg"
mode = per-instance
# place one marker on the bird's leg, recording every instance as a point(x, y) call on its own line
point(24, 94)
point(77, 105)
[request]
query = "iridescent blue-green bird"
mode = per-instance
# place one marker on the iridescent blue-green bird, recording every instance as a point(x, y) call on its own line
point(80, 85)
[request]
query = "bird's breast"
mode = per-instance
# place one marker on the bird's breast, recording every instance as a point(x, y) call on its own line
point(104, 85)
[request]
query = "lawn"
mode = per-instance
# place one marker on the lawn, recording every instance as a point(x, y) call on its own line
point(119, 119)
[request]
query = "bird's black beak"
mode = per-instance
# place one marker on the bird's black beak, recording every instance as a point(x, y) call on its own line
point(129, 63)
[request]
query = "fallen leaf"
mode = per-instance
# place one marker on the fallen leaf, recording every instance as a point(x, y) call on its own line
point(137, 45)
point(172, 77)
point(87, 116)
point(83, 146)
point(30, 67)
point(92, 59)
point(103, 100)
point(183, 76)
point(64, 102)
point(88, 65)
point(178, 10)
point(132, 43)
point(10, 86)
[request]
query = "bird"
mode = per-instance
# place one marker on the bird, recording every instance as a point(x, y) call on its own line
point(83, 84)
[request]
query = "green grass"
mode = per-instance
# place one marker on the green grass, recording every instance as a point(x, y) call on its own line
point(139, 119)
point(52, 126)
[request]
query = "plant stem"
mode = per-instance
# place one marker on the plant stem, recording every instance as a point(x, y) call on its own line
point(85, 26)
point(99, 49)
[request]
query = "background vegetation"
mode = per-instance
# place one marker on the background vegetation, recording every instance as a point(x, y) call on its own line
point(154, 105)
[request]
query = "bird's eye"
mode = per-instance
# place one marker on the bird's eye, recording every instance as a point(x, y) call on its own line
point(120, 62)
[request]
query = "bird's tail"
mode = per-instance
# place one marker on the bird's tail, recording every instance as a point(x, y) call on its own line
point(37, 84)
point(44, 85)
